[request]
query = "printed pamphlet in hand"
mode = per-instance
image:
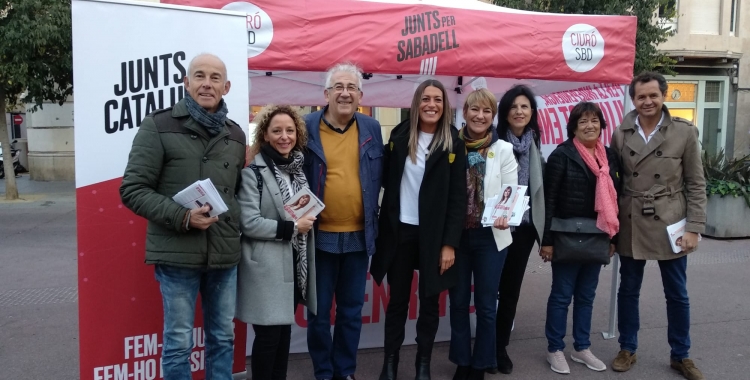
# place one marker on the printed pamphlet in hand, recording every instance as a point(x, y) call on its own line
point(511, 204)
point(675, 232)
point(304, 202)
point(199, 194)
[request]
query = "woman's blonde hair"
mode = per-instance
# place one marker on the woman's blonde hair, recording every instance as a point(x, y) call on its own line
point(263, 120)
point(443, 138)
point(481, 97)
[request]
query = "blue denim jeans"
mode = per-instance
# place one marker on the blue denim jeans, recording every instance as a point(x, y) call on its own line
point(577, 282)
point(674, 280)
point(344, 276)
point(179, 290)
point(477, 255)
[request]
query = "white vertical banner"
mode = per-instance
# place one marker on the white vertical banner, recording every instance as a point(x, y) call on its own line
point(129, 59)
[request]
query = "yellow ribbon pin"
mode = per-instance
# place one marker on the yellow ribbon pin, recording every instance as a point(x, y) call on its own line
point(451, 157)
point(391, 146)
point(491, 154)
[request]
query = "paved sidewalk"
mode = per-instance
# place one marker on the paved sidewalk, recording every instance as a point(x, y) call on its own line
point(39, 313)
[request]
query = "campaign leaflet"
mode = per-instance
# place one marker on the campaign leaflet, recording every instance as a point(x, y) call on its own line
point(675, 232)
point(199, 194)
point(511, 204)
point(304, 202)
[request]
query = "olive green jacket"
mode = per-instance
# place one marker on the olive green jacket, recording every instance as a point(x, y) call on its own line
point(170, 152)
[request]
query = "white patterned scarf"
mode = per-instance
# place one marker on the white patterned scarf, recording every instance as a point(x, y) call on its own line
point(292, 166)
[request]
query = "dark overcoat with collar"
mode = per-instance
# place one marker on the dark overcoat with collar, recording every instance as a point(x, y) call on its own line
point(442, 209)
point(669, 168)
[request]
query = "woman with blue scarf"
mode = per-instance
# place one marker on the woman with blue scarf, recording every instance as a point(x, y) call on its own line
point(490, 166)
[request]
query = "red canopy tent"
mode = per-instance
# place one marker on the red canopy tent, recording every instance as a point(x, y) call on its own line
point(398, 43)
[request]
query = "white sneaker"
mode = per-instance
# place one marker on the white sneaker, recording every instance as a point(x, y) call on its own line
point(557, 362)
point(587, 358)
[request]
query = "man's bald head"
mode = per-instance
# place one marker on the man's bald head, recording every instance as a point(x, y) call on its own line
point(209, 58)
point(207, 81)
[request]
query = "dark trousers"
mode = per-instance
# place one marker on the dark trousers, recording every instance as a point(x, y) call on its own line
point(340, 276)
point(270, 352)
point(674, 280)
point(400, 276)
point(479, 258)
point(510, 281)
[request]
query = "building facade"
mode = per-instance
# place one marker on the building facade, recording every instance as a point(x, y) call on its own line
point(711, 47)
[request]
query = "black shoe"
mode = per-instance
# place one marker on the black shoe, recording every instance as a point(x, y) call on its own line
point(504, 365)
point(422, 363)
point(491, 371)
point(476, 374)
point(390, 367)
point(462, 373)
point(350, 377)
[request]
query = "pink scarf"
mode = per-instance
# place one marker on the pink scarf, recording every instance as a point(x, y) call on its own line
point(605, 203)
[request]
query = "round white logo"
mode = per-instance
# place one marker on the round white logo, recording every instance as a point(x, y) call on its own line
point(479, 82)
point(259, 27)
point(583, 47)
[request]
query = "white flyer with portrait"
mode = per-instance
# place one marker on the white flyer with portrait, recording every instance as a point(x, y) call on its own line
point(304, 202)
point(511, 204)
point(675, 232)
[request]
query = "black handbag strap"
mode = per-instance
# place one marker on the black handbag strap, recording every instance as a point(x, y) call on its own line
point(259, 179)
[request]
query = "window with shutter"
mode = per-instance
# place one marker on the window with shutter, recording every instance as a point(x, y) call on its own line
point(705, 16)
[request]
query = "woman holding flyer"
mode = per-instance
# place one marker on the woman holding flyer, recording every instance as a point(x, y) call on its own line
point(277, 269)
point(517, 124)
point(581, 184)
point(490, 168)
point(421, 219)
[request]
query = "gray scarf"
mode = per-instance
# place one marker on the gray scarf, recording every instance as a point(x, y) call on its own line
point(521, 148)
point(213, 122)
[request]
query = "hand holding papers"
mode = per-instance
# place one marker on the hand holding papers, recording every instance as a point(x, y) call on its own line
point(675, 232)
point(199, 194)
point(510, 204)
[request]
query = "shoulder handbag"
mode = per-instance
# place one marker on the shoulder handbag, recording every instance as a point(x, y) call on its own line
point(578, 240)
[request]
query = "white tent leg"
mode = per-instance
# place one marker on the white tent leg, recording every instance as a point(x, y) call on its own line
point(611, 332)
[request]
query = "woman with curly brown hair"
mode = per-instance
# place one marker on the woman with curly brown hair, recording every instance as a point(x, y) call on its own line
point(277, 268)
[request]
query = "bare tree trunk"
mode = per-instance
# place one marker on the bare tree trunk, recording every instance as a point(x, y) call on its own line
point(11, 189)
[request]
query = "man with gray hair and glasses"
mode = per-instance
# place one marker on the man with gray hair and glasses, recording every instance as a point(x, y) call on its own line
point(343, 166)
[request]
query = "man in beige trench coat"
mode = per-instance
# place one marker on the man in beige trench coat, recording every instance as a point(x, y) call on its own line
point(663, 183)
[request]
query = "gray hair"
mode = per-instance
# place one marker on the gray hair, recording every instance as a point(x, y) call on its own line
point(344, 67)
point(201, 55)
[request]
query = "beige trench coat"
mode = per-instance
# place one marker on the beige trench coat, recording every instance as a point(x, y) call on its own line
point(669, 168)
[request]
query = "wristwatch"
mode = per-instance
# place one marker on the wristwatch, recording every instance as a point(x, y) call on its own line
point(295, 228)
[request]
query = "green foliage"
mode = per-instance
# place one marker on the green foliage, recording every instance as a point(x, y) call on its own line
point(36, 51)
point(651, 31)
point(726, 175)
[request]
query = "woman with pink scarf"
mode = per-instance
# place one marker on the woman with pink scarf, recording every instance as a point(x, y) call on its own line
point(581, 181)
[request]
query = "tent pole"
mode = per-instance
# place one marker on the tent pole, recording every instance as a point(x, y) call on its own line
point(611, 332)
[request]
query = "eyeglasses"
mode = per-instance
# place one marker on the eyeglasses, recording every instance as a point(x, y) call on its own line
point(339, 88)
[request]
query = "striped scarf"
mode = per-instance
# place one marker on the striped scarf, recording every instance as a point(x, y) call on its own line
point(293, 166)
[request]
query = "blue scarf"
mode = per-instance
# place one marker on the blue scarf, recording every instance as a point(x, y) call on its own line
point(213, 122)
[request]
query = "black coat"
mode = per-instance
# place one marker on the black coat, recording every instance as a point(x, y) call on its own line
point(570, 186)
point(442, 209)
